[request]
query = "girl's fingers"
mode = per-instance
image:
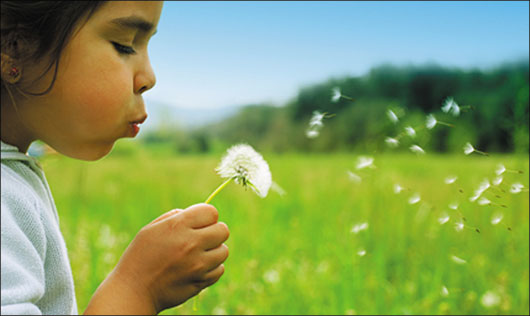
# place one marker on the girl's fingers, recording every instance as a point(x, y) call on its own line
point(200, 215)
point(166, 215)
point(212, 276)
point(215, 257)
point(214, 235)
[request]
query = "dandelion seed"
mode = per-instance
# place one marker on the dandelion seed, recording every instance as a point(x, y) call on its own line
point(443, 219)
point(359, 227)
point(450, 179)
point(398, 188)
point(490, 299)
point(459, 226)
point(497, 180)
point(516, 188)
point(392, 142)
point(361, 253)
point(444, 292)
point(468, 149)
point(500, 169)
point(417, 149)
point(316, 119)
point(415, 198)
point(453, 206)
point(496, 218)
point(245, 166)
point(475, 197)
point(354, 177)
point(336, 94)
point(271, 276)
point(484, 185)
point(431, 121)
point(392, 116)
point(484, 201)
point(365, 162)
point(312, 133)
point(451, 106)
point(458, 260)
point(410, 131)
point(277, 188)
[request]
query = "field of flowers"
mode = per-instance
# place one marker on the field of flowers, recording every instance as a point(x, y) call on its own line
point(342, 234)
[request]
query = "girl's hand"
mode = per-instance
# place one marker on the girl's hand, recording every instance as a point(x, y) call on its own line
point(170, 260)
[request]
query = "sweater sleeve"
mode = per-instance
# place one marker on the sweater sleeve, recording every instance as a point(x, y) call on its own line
point(23, 253)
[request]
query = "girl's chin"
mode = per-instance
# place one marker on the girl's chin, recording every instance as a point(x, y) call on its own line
point(88, 152)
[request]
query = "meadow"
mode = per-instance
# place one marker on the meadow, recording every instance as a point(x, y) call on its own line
point(301, 252)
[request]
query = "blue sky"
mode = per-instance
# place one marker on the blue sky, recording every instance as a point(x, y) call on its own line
point(211, 54)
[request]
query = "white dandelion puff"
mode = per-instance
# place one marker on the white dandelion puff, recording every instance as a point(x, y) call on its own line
point(444, 292)
point(516, 188)
point(247, 167)
point(484, 201)
point(392, 116)
point(392, 142)
point(357, 228)
point(496, 218)
point(457, 260)
point(500, 169)
point(450, 179)
point(354, 177)
point(365, 162)
point(410, 131)
point(430, 121)
point(417, 149)
point(459, 226)
point(468, 149)
point(361, 253)
point(415, 198)
point(490, 299)
point(497, 180)
point(398, 188)
point(453, 206)
point(336, 94)
point(443, 219)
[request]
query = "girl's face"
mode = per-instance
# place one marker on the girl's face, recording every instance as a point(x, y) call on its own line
point(97, 96)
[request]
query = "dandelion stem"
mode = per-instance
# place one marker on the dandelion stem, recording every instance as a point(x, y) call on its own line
point(346, 97)
point(446, 124)
point(481, 152)
point(218, 190)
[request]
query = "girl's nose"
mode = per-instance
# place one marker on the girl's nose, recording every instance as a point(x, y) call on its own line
point(145, 79)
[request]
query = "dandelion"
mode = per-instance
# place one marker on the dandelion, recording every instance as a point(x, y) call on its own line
point(365, 162)
point(459, 226)
point(392, 142)
point(451, 106)
point(516, 188)
point(359, 227)
point(410, 131)
point(468, 149)
point(335, 94)
point(450, 179)
point(417, 149)
point(444, 291)
point(392, 116)
point(415, 198)
point(496, 218)
point(361, 253)
point(245, 166)
point(457, 260)
point(443, 219)
point(354, 177)
point(398, 188)
point(490, 299)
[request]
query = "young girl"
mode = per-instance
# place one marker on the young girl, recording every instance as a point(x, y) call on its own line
point(73, 74)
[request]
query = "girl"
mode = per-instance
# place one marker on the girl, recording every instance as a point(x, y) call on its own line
point(73, 74)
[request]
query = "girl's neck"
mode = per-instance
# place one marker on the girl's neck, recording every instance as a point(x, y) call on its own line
point(13, 131)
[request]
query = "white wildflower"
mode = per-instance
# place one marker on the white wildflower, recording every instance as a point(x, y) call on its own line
point(361, 253)
point(391, 142)
point(496, 218)
point(497, 180)
point(484, 201)
point(271, 276)
point(457, 260)
point(490, 299)
point(443, 219)
point(247, 167)
point(365, 162)
point(453, 206)
point(450, 179)
point(410, 131)
point(459, 226)
point(398, 188)
point(359, 227)
point(430, 121)
point(500, 169)
point(468, 149)
point(354, 177)
point(417, 149)
point(392, 116)
point(516, 188)
point(415, 198)
point(444, 292)
point(336, 94)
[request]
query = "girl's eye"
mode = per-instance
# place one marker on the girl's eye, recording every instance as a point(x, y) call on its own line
point(122, 49)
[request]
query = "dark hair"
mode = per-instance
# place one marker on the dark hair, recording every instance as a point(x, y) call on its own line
point(31, 30)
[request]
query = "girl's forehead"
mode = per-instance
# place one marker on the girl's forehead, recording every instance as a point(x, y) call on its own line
point(143, 15)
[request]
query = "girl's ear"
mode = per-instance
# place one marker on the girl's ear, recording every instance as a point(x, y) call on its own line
point(11, 71)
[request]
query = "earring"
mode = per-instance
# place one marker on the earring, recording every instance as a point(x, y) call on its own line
point(10, 72)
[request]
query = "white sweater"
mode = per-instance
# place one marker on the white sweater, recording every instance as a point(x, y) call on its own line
point(36, 274)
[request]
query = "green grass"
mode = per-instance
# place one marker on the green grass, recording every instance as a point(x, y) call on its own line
point(304, 238)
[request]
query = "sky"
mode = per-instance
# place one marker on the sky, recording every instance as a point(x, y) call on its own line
point(215, 54)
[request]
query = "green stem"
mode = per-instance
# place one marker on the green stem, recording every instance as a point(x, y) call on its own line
point(446, 124)
point(218, 190)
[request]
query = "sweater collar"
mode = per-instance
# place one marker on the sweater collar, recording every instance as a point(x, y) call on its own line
point(10, 152)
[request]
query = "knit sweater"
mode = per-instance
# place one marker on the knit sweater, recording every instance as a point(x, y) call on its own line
point(36, 275)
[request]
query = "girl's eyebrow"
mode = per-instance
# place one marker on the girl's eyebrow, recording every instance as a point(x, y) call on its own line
point(134, 22)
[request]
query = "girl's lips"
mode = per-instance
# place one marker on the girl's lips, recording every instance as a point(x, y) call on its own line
point(134, 129)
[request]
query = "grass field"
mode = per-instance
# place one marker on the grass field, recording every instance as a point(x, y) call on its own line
point(296, 253)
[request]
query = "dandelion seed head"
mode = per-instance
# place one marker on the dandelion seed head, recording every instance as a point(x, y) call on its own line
point(468, 149)
point(417, 149)
point(392, 116)
point(490, 299)
point(392, 142)
point(450, 179)
point(410, 131)
point(354, 177)
point(516, 188)
point(457, 260)
point(500, 169)
point(336, 94)
point(415, 198)
point(443, 219)
point(365, 162)
point(444, 291)
point(496, 218)
point(483, 201)
point(430, 121)
point(247, 167)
